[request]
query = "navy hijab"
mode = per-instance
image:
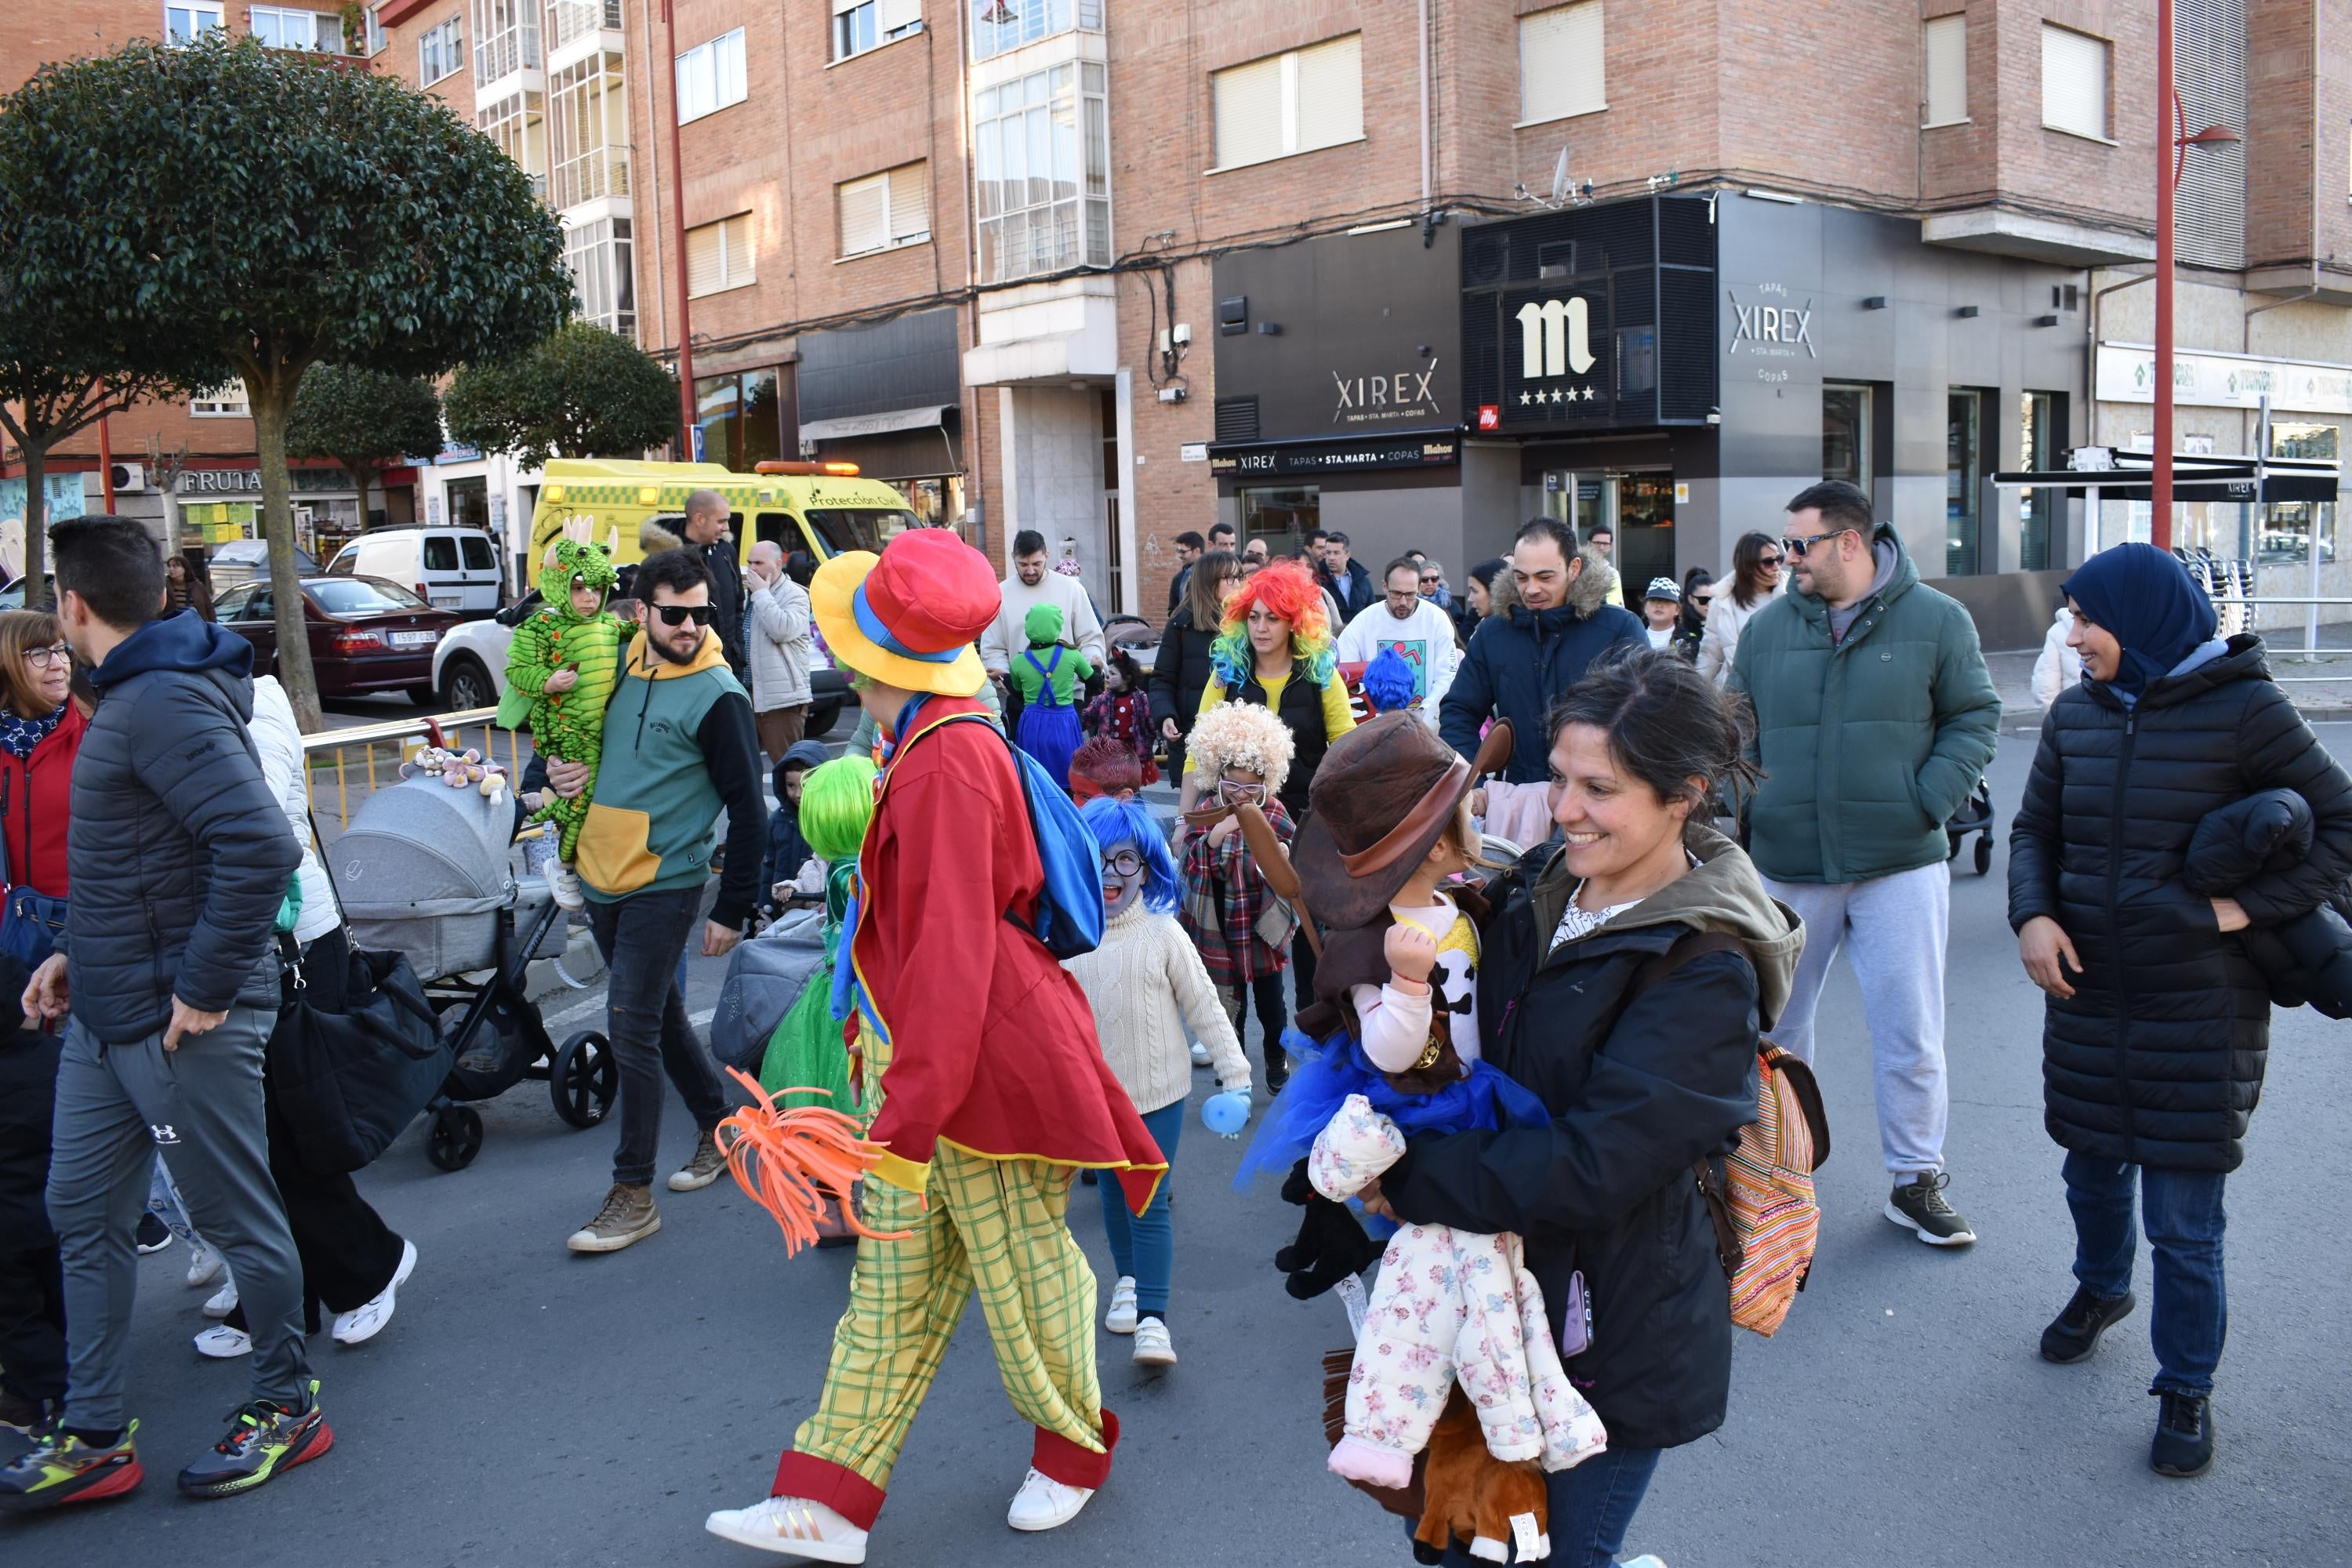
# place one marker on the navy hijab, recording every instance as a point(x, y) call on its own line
point(2146, 598)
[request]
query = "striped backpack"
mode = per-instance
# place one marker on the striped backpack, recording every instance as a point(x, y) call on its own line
point(1760, 1194)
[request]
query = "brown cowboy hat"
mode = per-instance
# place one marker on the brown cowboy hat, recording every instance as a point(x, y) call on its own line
point(1383, 794)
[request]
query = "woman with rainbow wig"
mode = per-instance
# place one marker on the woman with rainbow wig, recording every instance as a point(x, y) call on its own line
point(1146, 985)
point(1276, 651)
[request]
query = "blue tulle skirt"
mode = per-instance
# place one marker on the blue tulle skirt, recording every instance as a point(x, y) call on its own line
point(1050, 734)
point(1329, 1073)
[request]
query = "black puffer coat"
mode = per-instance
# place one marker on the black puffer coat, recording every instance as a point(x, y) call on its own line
point(2158, 1057)
point(1641, 1082)
point(1180, 675)
point(2307, 959)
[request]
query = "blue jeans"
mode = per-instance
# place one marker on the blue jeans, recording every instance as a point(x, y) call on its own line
point(2183, 1214)
point(643, 938)
point(1590, 1509)
point(1144, 1245)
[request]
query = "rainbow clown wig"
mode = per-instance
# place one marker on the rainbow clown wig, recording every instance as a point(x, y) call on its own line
point(1118, 824)
point(1289, 590)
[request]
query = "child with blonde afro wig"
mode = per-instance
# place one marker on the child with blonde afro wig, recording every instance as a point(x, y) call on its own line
point(1242, 754)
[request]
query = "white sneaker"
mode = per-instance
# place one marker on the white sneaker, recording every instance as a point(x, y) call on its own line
point(790, 1527)
point(222, 1301)
point(221, 1342)
point(1120, 1318)
point(1200, 1055)
point(1045, 1503)
point(565, 886)
point(204, 1268)
point(362, 1322)
point(1647, 1560)
point(1152, 1345)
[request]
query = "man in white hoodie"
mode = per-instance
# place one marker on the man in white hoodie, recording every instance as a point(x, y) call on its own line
point(1422, 633)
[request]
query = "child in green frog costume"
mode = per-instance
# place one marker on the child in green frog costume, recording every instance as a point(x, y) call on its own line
point(1048, 673)
point(561, 668)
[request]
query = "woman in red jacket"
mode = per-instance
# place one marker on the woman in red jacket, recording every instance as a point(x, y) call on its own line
point(40, 734)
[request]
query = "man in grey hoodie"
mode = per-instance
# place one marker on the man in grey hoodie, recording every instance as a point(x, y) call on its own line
point(179, 859)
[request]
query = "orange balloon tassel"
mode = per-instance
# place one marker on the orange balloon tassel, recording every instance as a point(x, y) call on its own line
point(788, 1161)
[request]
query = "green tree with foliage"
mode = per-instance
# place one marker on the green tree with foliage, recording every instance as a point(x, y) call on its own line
point(225, 208)
point(367, 420)
point(583, 392)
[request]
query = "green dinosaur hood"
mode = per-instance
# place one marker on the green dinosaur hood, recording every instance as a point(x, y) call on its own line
point(591, 565)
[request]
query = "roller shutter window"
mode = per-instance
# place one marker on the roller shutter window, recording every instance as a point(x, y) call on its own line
point(885, 210)
point(1561, 63)
point(2074, 82)
point(910, 202)
point(1330, 97)
point(2210, 73)
point(1250, 127)
point(1292, 103)
point(1948, 70)
point(718, 255)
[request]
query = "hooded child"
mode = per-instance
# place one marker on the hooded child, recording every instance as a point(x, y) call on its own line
point(562, 667)
point(1049, 674)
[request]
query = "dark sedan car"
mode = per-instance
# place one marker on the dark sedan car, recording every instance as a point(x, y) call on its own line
point(366, 634)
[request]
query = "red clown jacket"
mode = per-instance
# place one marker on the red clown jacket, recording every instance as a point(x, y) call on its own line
point(993, 1049)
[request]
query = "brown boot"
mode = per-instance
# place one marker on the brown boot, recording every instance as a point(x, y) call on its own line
point(627, 1217)
point(701, 1170)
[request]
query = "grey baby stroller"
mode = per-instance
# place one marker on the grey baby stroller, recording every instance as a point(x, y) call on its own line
point(425, 869)
point(1975, 815)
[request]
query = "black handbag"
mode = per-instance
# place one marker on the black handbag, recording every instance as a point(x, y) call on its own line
point(349, 1081)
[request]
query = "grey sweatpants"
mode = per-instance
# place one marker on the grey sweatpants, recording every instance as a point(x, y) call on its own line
point(201, 1107)
point(1894, 929)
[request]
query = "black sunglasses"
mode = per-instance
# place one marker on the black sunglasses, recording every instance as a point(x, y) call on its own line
point(1797, 547)
point(679, 614)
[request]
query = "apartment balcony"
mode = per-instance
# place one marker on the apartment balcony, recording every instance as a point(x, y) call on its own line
point(577, 29)
point(598, 176)
point(2064, 241)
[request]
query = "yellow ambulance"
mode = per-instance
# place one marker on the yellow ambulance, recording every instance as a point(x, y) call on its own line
point(822, 508)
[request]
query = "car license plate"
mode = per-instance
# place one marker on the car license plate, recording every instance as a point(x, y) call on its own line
point(448, 601)
point(415, 639)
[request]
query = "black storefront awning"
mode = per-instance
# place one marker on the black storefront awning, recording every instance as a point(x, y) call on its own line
point(1300, 459)
point(2195, 477)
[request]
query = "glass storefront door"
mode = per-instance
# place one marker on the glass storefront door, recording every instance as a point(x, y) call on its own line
point(1638, 505)
point(1964, 429)
point(1283, 517)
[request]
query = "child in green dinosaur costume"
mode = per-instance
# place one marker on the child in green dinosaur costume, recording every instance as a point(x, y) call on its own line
point(560, 669)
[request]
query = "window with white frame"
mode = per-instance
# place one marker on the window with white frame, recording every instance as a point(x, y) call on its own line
point(440, 52)
point(1000, 25)
point(185, 21)
point(711, 76)
point(603, 274)
point(510, 120)
point(2074, 82)
point(227, 401)
point(718, 255)
point(887, 210)
point(1946, 51)
point(1041, 167)
point(1291, 102)
point(1561, 63)
point(506, 39)
point(570, 19)
point(372, 32)
point(280, 27)
point(862, 25)
point(587, 132)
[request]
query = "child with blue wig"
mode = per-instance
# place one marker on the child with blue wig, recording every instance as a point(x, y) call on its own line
point(1146, 984)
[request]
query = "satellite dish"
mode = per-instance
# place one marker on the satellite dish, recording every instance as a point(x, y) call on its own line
point(1560, 176)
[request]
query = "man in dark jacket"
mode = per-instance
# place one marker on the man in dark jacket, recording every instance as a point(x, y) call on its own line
point(1345, 579)
point(1517, 667)
point(1875, 720)
point(706, 534)
point(180, 856)
point(1189, 548)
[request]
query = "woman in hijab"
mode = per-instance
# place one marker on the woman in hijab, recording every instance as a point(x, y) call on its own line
point(2157, 1021)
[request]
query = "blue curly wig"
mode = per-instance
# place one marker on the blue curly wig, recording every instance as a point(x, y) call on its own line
point(1388, 681)
point(1117, 822)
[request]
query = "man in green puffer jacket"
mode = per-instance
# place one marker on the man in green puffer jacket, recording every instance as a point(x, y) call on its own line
point(1875, 719)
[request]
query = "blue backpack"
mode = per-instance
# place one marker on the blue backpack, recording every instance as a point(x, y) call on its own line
point(1070, 907)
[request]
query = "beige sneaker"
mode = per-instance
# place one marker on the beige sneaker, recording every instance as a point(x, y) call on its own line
point(627, 1217)
point(700, 1171)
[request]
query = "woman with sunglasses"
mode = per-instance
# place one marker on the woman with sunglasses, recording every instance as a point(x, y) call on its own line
point(40, 734)
point(1755, 579)
point(1180, 672)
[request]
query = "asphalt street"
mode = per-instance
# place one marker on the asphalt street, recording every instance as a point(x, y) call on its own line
point(530, 1407)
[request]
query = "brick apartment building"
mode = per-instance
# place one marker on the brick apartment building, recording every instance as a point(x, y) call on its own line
point(1416, 269)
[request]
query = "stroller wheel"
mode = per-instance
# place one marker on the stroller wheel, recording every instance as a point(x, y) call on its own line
point(1984, 854)
point(456, 1138)
point(584, 1079)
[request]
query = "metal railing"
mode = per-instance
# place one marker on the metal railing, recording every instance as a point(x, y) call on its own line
point(382, 748)
point(2244, 610)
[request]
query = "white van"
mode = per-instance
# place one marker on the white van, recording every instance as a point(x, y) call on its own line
point(449, 568)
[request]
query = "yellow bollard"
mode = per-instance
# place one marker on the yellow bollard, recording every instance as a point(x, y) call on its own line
point(342, 790)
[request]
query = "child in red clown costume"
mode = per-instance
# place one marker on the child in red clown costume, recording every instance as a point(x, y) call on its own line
point(993, 1092)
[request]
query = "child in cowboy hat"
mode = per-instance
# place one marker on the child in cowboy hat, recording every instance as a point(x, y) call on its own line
point(993, 1091)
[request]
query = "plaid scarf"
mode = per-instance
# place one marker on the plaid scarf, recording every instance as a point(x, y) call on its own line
point(1242, 930)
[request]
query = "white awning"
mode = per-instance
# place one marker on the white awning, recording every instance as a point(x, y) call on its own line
point(921, 418)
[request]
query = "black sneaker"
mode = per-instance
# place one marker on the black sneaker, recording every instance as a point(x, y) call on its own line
point(263, 1438)
point(2184, 1435)
point(2074, 1332)
point(21, 1412)
point(154, 1236)
point(1920, 1207)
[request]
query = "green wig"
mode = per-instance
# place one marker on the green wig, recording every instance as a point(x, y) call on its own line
point(836, 803)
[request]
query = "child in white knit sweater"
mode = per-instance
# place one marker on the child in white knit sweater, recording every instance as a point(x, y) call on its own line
point(1146, 984)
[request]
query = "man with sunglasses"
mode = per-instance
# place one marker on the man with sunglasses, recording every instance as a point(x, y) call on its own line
point(679, 745)
point(1875, 719)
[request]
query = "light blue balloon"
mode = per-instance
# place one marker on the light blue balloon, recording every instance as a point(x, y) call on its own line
point(1226, 1114)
